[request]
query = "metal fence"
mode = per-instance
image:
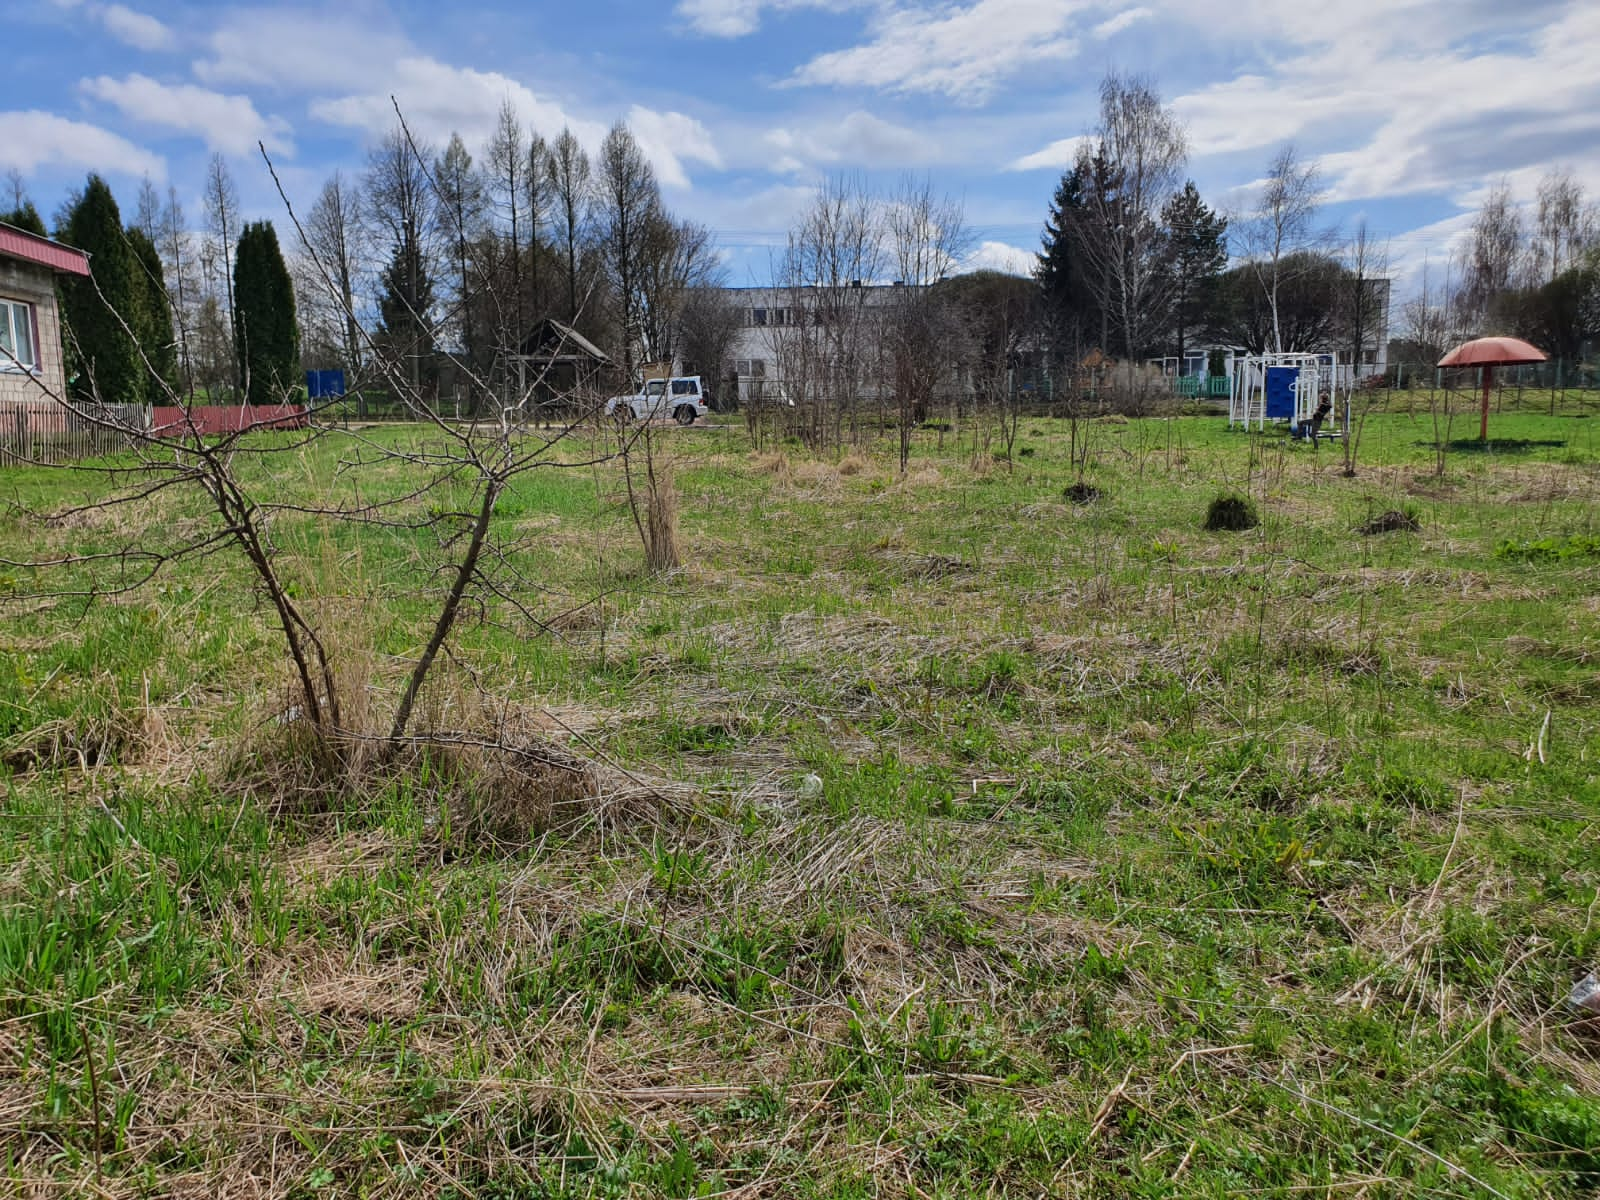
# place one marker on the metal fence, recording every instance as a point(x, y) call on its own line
point(48, 432)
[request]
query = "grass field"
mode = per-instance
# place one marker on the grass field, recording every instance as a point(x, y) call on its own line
point(932, 836)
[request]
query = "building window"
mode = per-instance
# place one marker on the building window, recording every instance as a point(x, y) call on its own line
point(758, 316)
point(751, 368)
point(17, 349)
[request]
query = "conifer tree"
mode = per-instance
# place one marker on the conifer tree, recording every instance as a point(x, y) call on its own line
point(153, 319)
point(104, 362)
point(25, 217)
point(265, 333)
point(1197, 241)
point(1068, 299)
point(404, 305)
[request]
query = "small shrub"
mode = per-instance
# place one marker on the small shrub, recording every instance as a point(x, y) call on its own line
point(1082, 493)
point(1231, 512)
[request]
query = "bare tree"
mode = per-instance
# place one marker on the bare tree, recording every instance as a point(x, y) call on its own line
point(337, 239)
point(927, 238)
point(147, 216)
point(708, 322)
point(996, 315)
point(1492, 258)
point(1281, 229)
point(507, 194)
point(1366, 303)
point(536, 179)
point(458, 215)
point(17, 186)
point(674, 257)
point(401, 203)
point(1135, 164)
point(833, 255)
point(179, 267)
point(455, 474)
point(222, 220)
point(628, 195)
point(1561, 223)
point(568, 169)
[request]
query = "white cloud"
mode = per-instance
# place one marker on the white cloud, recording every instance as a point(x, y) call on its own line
point(1000, 256)
point(1058, 155)
point(300, 49)
point(137, 29)
point(1407, 118)
point(721, 18)
point(667, 139)
point(438, 99)
point(230, 124)
point(737, 18)
point(1116, 24)
point(29, 140)
point(860, 139)
point(960, 52)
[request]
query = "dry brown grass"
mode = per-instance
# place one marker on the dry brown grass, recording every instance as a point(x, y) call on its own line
point(661, 551)
point(773, 462)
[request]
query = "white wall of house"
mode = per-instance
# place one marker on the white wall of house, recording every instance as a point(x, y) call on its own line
point(30, 327)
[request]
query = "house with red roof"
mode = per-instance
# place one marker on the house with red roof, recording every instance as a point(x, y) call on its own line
point(32, 365)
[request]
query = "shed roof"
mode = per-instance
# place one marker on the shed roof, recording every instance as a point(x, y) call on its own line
point(29, 247)
point(551, 341)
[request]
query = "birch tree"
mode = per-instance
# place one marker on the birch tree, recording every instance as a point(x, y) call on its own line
point(1280, 230)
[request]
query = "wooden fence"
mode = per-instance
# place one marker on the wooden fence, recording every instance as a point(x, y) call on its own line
point(48, 432)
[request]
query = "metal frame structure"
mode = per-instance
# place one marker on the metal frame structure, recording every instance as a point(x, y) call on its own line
point(1247, 405)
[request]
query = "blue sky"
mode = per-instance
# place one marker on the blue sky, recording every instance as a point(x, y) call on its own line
point(1412, 109)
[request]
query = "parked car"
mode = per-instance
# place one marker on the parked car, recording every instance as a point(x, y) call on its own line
point(680, 397)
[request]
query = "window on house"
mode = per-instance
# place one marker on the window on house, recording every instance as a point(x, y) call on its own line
point(758, 316)
point(751, 368)
point(17, 351)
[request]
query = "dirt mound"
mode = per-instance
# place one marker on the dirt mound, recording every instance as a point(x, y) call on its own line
point(1393, 521)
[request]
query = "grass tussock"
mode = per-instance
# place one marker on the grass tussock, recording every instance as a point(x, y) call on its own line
point(774, 463)
point(661, 551)
point(1231, 513)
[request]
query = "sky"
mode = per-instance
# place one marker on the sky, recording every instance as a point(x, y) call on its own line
point(1412, 110)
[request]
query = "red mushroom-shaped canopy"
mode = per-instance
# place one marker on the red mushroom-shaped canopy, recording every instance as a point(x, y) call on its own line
point(1489, 353)
point(1493, 352)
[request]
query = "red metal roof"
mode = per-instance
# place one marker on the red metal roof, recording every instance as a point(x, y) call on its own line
point(17, 243)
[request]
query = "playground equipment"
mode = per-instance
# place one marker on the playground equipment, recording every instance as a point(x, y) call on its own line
point(1280, 387)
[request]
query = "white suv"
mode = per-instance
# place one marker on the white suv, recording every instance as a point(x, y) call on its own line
point(680, 398)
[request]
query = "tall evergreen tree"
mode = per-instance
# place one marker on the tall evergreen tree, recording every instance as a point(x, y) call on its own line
point(104, 362)
point(26, 217)
point(1068, 300)
point(404, 304)
point(1197, 237)
point(264, 329)
point(153, 319)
